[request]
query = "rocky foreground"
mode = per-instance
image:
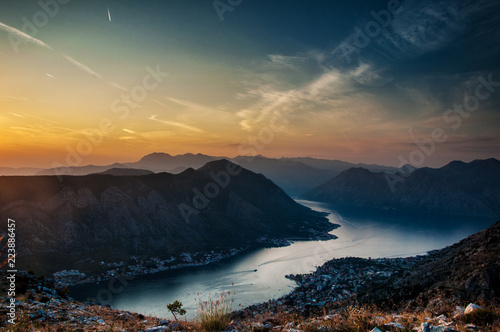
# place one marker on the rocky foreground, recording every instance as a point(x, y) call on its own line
point(316, 305)
point(453, 289)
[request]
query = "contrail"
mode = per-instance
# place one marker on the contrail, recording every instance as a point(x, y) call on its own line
point(24, 36)
point(109, 14)
point(27, 38)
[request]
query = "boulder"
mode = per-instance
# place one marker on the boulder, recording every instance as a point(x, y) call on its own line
point(471, 308)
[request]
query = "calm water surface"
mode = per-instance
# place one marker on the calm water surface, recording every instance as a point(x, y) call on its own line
point(362, 234)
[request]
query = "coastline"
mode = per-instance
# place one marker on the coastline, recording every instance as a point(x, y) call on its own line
point(185, 260)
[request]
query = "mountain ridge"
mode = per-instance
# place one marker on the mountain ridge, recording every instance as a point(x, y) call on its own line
point(101, 215)
point(294, 175)
point(467, 189)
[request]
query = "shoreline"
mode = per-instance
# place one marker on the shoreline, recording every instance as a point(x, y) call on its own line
point(118, 270)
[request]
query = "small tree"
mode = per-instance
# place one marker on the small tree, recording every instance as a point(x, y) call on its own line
point(176, 308)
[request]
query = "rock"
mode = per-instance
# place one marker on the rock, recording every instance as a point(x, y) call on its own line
point(427, 327)
point(258, 325)
point(471, 308)
point(174, 327)
point(459, 312)
point(396, 325)
point(156, 329)
point(442, 319)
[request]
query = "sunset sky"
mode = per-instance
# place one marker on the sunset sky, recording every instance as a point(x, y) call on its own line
point(278, 78)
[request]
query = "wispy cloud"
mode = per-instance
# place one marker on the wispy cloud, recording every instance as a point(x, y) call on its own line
point(424, 26)
point(333, 91)
point(24, 116)
point(176, 124)
point(129, 131)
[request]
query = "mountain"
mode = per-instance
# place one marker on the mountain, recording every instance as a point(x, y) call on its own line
point(466, 189)
point(338, 165)
point(163, 162)
point(125, 172)
point(68, 221)
point(19, 171)
point(79, 170)
point(294, 175)
point(298, 175)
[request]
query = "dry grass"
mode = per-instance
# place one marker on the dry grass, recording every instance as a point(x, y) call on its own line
point(365, 318)
point(214, 314)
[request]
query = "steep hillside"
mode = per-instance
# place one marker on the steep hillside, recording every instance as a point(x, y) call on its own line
point(62, 224)
point(294, 177)
point(458, 188)
point(469, 269)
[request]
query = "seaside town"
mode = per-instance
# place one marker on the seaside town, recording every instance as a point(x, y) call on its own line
point(333, 282)
point(136, 265)
point(314, 305)
point(140, 266)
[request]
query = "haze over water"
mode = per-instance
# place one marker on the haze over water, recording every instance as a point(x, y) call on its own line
point(361, 234)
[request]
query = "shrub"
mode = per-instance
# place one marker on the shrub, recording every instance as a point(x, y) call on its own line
point(63, 292)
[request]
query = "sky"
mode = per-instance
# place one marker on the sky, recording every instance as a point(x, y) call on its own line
point(387, 82)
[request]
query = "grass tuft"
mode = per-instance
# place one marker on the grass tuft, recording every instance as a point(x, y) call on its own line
point(214, 314)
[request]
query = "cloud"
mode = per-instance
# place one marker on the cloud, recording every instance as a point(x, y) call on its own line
point(423, 27)
point(365, 74)
point(284, 62)
point(176, 124)
point(332, 92)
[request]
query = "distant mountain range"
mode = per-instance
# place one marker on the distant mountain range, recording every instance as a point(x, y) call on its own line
point(294, 175)
point(83, 219)
point(20, 171)
point(466, 189)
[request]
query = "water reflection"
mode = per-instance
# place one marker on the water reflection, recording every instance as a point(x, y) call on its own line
point(258, 275)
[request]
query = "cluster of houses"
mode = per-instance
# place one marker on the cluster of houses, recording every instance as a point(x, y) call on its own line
point(138, 266)
point(336, 280)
